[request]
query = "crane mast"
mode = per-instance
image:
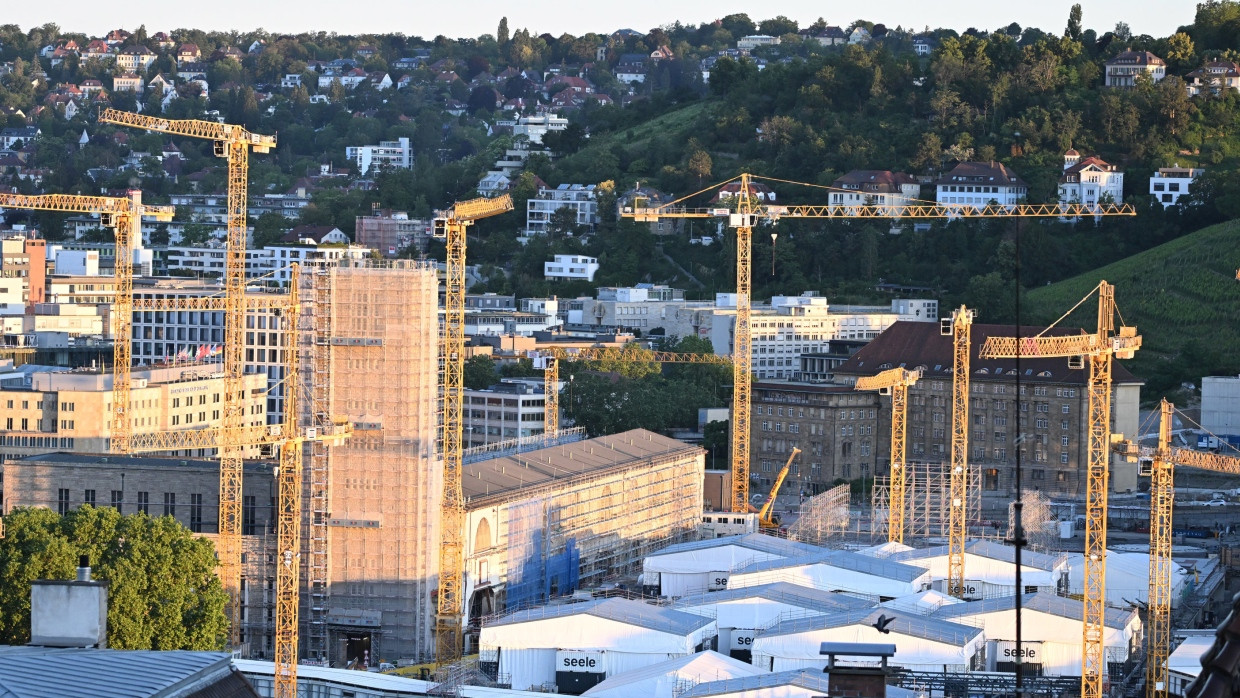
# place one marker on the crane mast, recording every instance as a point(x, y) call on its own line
point(233, 143)
point(748, 212)
point(288, 522)
point(450, 605)
point(960, 327)
point(897, 382)
point(1098, 350)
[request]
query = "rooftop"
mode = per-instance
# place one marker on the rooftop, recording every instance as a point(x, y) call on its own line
point(502, 478)
point(759, 542)
point(909, 624)
point(1042, 602)
point(992, 550)
point(627, 611)
point(810, 680)
point(782, 592)
point(991, 172)
point(842, 559)
point(38, 672)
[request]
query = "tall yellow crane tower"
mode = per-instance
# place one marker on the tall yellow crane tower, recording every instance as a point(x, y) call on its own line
point(232, 143)
point(960, 328)
point(451, 225)
point(1098, 350)
point(1159, 465)
point(895, 382)
point(748, 211)
point(123, 215)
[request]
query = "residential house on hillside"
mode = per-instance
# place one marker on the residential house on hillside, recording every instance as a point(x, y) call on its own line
point(979, 183)
point(859, 35)
point(631, 68)
point(757, 190)
point(135, 59)
point(116, 37)
point(1089, 181)
point(1170, 183)
point(749, 43)
point(1214, 78)
point(1122, 71)
point(192, 71)
point(13, 138)
point(827, 36)
point(97, 50)
point(126, 82)
point(91, 87)
point(578, 197)
point(923, 45)
point(316, 234)
point(188, 53)
point(875, 188)
point(162, 40)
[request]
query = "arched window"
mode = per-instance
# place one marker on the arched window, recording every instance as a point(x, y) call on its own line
point(482, 538)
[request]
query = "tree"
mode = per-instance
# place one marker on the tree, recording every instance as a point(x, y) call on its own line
point(268, 229)
point(501, 35)
point(700, 164)
point(1122, 32)
point(1073, 31)
point(163, 592)
point(479, 372)
point(196, 234)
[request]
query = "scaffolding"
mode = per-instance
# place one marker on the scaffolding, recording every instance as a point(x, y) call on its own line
point(927, 496)
point(374, 501)
point(1036, 520)
point(822, 517)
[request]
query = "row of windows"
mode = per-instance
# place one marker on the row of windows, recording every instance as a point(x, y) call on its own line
point(37, 442)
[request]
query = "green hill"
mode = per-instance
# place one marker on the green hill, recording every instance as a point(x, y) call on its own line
point(1183, 297)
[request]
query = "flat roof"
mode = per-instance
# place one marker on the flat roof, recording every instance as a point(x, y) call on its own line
point(631, 612)
point(30, 672)
point(504, 477)
point(114, 460)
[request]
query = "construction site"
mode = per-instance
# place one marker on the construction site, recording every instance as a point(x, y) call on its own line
point(560, 563)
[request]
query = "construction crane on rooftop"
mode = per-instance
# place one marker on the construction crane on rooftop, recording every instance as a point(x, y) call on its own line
point(745, 210)
point(1159, 464)
point(232, 143)
point(451, 226)
point(1099, 350)
point(895, 382)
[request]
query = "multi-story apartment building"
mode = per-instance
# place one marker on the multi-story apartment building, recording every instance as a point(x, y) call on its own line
point(46, 409)
point(1215, 78)
point(875, 188)
point(1170, 183)
point(577, 197)
point(273, 262)
point(391, 232)
point(1089, 180)
point(510, 409)
point(213, 208)
point(23, 267)
point(397, 154)
point(1046, 419)
point(1123, 70)
point(842, 433)
point(135, 59)
point(979, 183)
point(570, 267)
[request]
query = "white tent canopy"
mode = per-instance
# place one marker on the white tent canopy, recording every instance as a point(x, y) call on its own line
point(922, 603)
point(837, 570)
point(623, 635)
point(688, 568)
point(1128, 577)
point(663, 679)
point(991, 567)
point(921, 643)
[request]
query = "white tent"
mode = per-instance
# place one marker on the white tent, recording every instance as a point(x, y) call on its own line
point(738, 612)
point(1128, 577)
point(662, 680)
point(697, 566)
point(1184, 664)
point(921, 603)
point(1050, 631)
point(922, 643)
point(600, 638)
point(884, 549)
point(784, 684)
point(990, 568)
point(837, 570)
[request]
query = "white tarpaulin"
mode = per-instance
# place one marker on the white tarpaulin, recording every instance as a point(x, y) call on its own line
point(663, 679)
point(837, 571)
point(1128, 577)
point(692, 567)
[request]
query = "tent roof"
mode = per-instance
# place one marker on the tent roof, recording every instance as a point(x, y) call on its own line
point(783, 592)
point(1042, 602)
point(759, 542)
point(990, 549)
point(923, 602)
point(909, 624)
point(702, 664)
point(842, 559)
point(802, 678)
point(636, 613)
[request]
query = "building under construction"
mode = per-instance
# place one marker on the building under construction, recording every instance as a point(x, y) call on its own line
point(371, 545)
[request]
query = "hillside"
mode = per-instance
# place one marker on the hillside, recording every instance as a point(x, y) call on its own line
point(1183, 297)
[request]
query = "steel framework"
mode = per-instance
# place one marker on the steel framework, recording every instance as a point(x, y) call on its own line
point(895, 382)
point(1098, 350)
point(960, 327)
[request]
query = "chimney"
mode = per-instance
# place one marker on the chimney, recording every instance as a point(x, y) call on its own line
point(70, 613)
point(856, 681)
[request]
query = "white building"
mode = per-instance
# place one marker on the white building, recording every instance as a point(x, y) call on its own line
point(1124, 69)
point(397, 154)
point(990, 570)
point(570, 267)
point(740, 612)
point(882, 188)
point(1170, 183)
point(922, 644)
point(1089, 181)
point(511, 409)
point(1214, 78)
point(578, 197)
point(1128, 578)
point(837, 570)
point(577, 646)
point(667, 679)
point(977, 184)
point(1220, 405)
point(536, 126)
point(1050, 635)
point(1184, 664)
point(281, 258)
point(749, 43)
point(704, 565)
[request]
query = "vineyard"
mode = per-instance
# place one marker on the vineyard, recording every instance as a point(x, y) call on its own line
point(1183, 297)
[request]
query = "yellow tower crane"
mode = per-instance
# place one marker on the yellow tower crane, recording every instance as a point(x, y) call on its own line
point(1159, 465)
point(451, 225)
point(746, 210)
point(123, 215)
point(765, 519)
point(960, 328)
point(232, 143)
point(1099, 350)
point(895, 382)
point(549, 361)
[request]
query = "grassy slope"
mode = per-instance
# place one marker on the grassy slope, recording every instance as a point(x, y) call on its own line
point(1175, 293)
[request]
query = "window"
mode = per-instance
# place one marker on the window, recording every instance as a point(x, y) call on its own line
point(1037, 474)
point(1063, 457)
point(144, 502)
point(1063, 441)
point(195, 513)
point(118, 498)
point(249, 508)
point(1061, 476)
point(62, 501)
point(991, 478)
point(1064, 425)
point(88, 497)
point(170, 503)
